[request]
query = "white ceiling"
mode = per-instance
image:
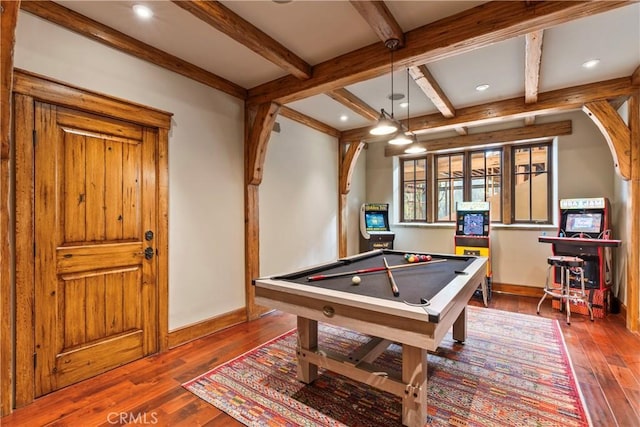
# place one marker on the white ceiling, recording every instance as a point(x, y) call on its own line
point(317, 31)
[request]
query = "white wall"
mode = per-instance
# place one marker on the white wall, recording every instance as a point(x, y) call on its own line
point(206, 167)
point(585, 169)
point(298, 199)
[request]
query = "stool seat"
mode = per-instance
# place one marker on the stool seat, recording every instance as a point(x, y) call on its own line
point(565, 261)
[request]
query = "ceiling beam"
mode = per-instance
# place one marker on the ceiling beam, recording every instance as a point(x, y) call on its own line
point(434, 92)
point(556, 101)
point(463, 32)
point(94, 30)
point(533, 57)
point(226, 21)
point(380, 20)
point(308, 121)
point(523, 133)
point(349, 100)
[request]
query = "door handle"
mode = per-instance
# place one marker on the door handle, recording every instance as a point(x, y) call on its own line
point(148, 253)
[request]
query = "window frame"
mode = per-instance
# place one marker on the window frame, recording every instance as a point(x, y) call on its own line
point(550, 177)
point(507, 176)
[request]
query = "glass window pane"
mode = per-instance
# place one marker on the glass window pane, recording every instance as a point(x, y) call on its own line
point(421, 169)
point(443, 166)
point(408, 170)
point(409, 201)
point(457, 166)
point(421, 201)
point(494, 162)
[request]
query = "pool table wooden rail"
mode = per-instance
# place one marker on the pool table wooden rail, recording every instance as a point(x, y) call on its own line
point(375, 316)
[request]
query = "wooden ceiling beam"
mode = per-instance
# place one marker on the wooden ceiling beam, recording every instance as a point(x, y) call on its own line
point(432, 89)
point(533, 57)
point(494, 137)
point(556, 101)
point(463, 32)
point(226, 21)
point(349, 100)
point(308, 121)
point(94, 30)
point(380, 20)
point(429, 85)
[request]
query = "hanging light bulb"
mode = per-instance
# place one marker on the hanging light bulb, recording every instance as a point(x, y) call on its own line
point(385, 125)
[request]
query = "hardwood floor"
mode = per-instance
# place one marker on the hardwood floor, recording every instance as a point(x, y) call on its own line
point(605, 356)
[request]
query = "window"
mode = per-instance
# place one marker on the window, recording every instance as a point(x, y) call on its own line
point(414, 190)
point(531, 183)
point(486, 180)
point(519, 175)
point(450, 185)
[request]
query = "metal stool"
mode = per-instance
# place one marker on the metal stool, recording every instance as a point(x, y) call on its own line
point(564, 291)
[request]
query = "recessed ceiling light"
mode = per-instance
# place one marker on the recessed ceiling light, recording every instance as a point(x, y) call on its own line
point(344, 118)
point(590, 63)
point(482, 87)
point(404, 104)
point(396, 96)
point(142, 11)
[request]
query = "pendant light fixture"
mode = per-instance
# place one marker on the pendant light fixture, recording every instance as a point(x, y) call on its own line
point(401, 138)
point(387, 124)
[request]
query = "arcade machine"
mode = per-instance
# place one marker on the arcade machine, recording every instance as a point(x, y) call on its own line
point(585, 232)
point(374, 227)
point(472, 235)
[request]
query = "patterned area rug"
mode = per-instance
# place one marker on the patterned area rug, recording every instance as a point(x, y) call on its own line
point(513, 370)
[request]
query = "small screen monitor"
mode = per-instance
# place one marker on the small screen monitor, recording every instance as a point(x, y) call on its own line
point(583, 222)
point(375, 221)
point(473, 224)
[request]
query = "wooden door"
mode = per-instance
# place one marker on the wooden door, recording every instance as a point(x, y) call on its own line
point(95, 210)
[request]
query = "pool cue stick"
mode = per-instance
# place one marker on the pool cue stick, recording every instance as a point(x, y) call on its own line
point(369, 270)
point(394, 287)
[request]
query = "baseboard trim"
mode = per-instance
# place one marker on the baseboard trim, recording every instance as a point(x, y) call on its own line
point(519, 290)
point(198, 330)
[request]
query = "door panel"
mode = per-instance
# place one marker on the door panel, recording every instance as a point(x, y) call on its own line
point(96, 298)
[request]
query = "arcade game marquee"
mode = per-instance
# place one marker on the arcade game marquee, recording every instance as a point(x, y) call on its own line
point(585, 231)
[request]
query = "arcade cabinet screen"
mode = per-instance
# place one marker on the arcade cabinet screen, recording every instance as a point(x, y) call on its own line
point(473, 224)
point(584, 223)
point(375, 221)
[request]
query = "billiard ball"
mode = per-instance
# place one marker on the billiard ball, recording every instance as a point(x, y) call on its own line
point(355, 280)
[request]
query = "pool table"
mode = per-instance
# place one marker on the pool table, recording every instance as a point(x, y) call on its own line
point(432, 297)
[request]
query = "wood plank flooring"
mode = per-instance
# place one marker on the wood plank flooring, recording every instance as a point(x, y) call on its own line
point(605, 356)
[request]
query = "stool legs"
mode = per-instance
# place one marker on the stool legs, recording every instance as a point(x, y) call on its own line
point(564, 292)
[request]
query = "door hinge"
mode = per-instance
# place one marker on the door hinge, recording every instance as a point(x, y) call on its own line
point(34, 137)
point(35, 360)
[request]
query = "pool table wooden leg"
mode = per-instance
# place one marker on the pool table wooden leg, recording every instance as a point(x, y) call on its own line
point(414, 375)
point(460, 326)
point(307, 341)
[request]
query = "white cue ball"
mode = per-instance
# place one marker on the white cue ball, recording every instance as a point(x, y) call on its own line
point(355, 280)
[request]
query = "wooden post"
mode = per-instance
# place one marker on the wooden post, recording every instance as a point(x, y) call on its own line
point(8, 37)
point(633, 217)
point(257, 133)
